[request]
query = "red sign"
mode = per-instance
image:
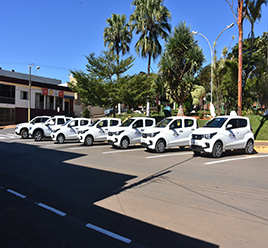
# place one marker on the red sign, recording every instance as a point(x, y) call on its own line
point(52, 92)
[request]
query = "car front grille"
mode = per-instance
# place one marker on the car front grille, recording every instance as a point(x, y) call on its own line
point(197, 136)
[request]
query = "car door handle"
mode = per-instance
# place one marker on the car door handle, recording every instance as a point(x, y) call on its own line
point(106, 129)
point(181, 131)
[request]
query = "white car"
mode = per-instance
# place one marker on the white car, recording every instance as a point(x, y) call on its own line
point(170, 132)
point(223, 133)
point(69, 130)
point(129, 132)
point(40, 130)
point(98, 130)
point(22, 129)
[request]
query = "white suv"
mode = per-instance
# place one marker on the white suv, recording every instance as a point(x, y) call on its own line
point(170, 132)
point(40, 130)
point(22, 129)
point(98, 130)
point(223, 133)
point(129, 132)
point(69, 130)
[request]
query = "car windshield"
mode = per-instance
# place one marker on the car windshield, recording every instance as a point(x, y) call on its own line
point(163, 123)
point(127, 123)
point(216, 122)
point(95, 122)
point(66, 122)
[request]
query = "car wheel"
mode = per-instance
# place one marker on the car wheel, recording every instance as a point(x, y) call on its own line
point(24, 134)
point(60, 138)
point(88, 140)
point(124, 143)
point(217, 150)
point(38, 136)
point(249, 147)
point(160, 146)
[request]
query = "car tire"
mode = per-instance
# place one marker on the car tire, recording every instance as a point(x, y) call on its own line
point(160, 146)
point(88, 140)
point(38, 135)
point(124, 143)
point(60, 139)
point(249, 149)
point(24, 134)
point(217, 150)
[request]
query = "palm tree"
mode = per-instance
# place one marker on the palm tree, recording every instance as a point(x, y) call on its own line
point(150, 18)
point(118, 34)
point(253, 15)
point(118, 37)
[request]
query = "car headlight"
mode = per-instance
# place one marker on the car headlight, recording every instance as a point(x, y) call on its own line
point(209, 136)
point(119, 132)
point(151, 135)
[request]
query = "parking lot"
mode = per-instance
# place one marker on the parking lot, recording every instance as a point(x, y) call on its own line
point(71, 195)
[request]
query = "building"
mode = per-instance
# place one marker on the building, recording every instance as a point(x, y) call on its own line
point(48, 97)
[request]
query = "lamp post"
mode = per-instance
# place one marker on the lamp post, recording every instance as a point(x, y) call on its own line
point(29, 94)
point(211, 57)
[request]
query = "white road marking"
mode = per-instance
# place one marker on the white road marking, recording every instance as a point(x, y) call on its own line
point(128, 150)
point(234, 159)
point(56, 211)
point(108, 233)
point(171, 154)
point(16, 193)
point(87, 147)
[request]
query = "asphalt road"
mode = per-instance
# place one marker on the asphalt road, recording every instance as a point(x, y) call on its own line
point(71, 195)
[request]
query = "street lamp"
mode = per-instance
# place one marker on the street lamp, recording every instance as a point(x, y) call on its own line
point(29, 94)
point(211, 58)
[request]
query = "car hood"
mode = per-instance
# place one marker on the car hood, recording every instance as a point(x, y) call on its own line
point(154, 130)
point(24, 124)
point(206, 130)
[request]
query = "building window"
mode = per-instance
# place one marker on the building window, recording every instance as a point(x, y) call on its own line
point(7, 93)
point(24, 95)
point(59, 104)
point(39, 101)
point(50, 102)
point(7, 116)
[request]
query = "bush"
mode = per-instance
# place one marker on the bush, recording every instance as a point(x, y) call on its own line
point(201, 114)
point(86, 113)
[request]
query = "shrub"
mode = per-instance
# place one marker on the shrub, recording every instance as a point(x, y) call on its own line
point(86, 113)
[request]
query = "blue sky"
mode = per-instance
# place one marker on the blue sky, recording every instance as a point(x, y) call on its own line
point(57, 34)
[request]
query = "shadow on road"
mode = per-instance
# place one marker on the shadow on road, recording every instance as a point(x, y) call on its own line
point(46, 176)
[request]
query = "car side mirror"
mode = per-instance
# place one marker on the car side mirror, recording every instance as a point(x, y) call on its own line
point(171, 127)
point(229, 126)
point(134, 126)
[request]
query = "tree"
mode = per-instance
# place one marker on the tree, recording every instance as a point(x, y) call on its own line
point(99, 86)
point(253, 15)
point(150, 18)
point(117, 36)
point(241, 9)
point(180, 64)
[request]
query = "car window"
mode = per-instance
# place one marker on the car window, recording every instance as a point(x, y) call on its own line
point(148, 123)
point(61, 121)
point(176, 124)
point(242, 122)
point(216, 122)
point(74, 123)
point(103, 123)
point(36, 120)
point(83, 122)
point(233, 122)
point(138, 123)
point(164, 122)
point(188, 123)
point(127, 122)
point(53, 121)
point(44, 119)
point(114, 123)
